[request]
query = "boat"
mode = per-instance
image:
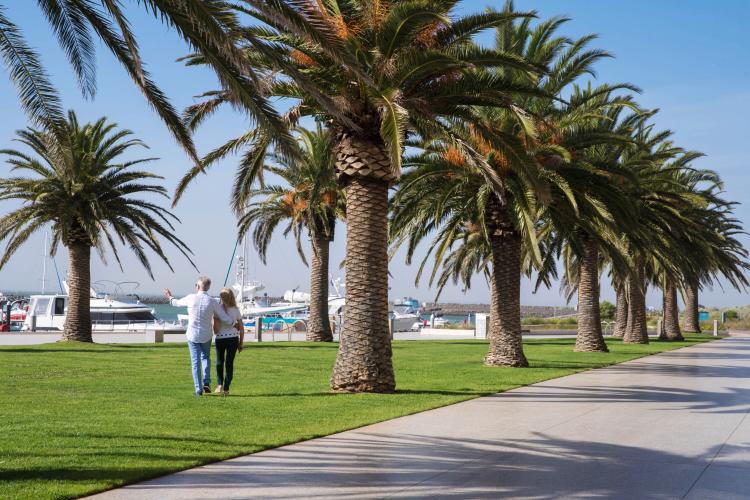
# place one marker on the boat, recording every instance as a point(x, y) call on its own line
point(437, 320)
point(405, 314)
point(12, 313)
point(292, 310)
point(295, 304)
point(289, 311)
point(109, 313)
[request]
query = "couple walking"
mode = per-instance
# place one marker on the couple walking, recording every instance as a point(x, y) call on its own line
point(209, 316)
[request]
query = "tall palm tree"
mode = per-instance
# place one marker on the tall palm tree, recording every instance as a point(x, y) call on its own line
point(444, 195)
point(714, 252)
point(309, 203)
point(660, 201)
point(375, 71)
point(690, 290)
point(590, 234)
point(82, 188)
point(540, 178)
point(621, 310)
point(204, 25)
point(682, 238)
point(580, 201)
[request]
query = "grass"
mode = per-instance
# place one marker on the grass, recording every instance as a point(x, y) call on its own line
point(79, 418)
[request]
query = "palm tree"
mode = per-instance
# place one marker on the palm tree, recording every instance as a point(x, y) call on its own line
point(205, 26)
point(690, 291)
point(375, 72)
point(81, 188)
point(621, 310)
point(681, 238)
point(714, 251)
point(309, 203)
point(590, 234)
point(661, 202)
point(539, 178)
point(444, 194)
point(580, 202)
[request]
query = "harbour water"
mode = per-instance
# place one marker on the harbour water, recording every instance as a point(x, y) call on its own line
point(167, 312)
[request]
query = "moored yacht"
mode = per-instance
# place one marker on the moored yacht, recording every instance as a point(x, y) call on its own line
point(108, 314)
point(405, 314)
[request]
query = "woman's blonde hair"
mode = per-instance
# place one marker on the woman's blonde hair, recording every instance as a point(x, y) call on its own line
point(227, 298)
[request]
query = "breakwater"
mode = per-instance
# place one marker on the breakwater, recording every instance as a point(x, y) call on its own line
point(526, 311)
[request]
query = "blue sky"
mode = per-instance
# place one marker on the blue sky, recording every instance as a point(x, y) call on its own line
point(690, 57)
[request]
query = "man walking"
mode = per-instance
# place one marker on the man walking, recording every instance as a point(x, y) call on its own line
point(201, 310)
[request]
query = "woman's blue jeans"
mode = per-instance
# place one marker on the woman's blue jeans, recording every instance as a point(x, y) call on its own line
point(200, 354)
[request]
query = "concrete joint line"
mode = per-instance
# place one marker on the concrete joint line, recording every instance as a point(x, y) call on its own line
point(710, 462)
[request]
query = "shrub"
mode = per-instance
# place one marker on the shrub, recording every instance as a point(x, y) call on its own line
point(607, 310)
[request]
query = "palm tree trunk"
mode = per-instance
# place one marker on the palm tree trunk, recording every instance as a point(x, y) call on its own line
point(637, 332)
point(506, 343)
point(621, 313)
point(671, 321)
point(690, 295)
point(78, 318)
point(589, 337)
point(318, 326)
point(363, 363)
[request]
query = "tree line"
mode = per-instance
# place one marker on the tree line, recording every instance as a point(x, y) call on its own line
point(510, 160)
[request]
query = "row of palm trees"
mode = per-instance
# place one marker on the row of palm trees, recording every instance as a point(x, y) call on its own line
point(503, 156)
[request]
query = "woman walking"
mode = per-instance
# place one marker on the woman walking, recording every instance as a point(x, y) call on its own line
point(230, 337)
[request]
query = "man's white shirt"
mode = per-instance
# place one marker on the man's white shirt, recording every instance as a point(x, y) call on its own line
point(201, 310)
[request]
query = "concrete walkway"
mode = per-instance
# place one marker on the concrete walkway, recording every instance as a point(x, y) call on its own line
point(674, 425)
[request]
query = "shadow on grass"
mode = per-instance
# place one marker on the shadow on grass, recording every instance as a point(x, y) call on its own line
point(144, 437)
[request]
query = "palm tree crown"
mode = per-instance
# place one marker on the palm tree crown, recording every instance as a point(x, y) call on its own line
point(309, 203)
point(204, 25)
point(85, 193)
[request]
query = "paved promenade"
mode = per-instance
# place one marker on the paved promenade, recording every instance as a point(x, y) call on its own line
point(674, 425)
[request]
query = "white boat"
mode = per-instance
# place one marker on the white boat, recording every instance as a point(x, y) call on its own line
point(403, 321)
point(405, 314)
point(253, 306)
point(437, 320)
point(108, 314)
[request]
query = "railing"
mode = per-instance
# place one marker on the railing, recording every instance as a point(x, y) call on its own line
point(125, 325)
point(279, 326)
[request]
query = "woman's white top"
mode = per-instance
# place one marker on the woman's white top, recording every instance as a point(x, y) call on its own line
point(227, 330)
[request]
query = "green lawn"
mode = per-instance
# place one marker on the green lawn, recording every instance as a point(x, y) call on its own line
point(78, 419)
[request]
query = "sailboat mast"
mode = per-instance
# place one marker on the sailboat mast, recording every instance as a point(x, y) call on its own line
point(241, 271)
point(44, 265)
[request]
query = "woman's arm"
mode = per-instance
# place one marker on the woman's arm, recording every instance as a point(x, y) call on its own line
point(240, 328)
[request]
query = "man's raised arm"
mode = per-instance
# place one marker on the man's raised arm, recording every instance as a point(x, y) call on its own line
point(175, 302)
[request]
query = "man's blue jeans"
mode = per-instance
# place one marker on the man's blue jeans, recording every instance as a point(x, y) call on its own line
point(200, 354)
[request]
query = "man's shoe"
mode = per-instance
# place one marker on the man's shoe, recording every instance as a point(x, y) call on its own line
point(198, 394)
point(206, 389)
